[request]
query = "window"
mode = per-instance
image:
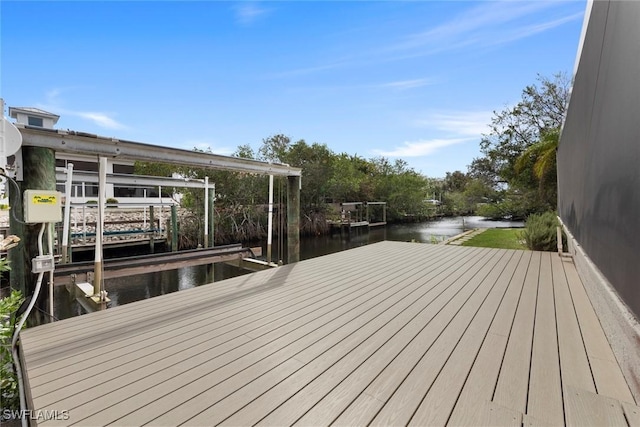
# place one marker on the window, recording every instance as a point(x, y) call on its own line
point(91, 190)
point(85, 166)
point(35, 121)
point(128, 169)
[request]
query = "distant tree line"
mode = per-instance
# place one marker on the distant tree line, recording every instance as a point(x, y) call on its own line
point(515, 176)
point(328, 178)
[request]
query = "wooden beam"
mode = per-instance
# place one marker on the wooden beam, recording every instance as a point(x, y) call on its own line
point(120, 267)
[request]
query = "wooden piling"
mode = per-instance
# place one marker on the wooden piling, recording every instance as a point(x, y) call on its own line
point(293, 219)
point(174, 228)
point(152, 226)
point(39, 173)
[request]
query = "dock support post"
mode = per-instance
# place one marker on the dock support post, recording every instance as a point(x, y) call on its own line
point(211, 268)
point(211, 273)
point(174, 228)
point(39, 173)
point(293, 219)
point(270, 220)
point(152, 226)
point(212, 217)
point(102, 199)
point(205, 241)
point(66, 254)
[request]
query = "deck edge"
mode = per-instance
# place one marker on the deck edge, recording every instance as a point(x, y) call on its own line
point(620, 325)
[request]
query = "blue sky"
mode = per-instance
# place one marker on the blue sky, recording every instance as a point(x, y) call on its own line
point(413, 80)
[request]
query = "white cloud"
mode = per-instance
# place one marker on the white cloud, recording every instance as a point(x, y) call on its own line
point(100, 119)
point(52, 95)
point(421, 148)
point(491, 23)
point(488, 24)
point(248, 13)
point(307, 70)
point(408, 84)
point(531, 30)
point(54, 104)
point(450, 128)
point(454, 34)
point(468, 123)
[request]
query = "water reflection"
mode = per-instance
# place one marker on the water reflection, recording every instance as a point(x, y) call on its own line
point(135, 288)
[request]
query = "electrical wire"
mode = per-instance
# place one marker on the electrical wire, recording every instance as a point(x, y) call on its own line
point(13, 212)
point(16, 333)
point(50, 250)
point(46, 313)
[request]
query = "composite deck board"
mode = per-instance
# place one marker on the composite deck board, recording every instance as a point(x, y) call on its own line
point(480, 379)
point(545, 394)
point(178, 380)
point(179, 370)
point(607, 375)
point(368, 386)
point(300, 287)
point(137, 349)
point(186, 302)
point(513, 381)
point(574, 364)
point(403, 403)
point(438, 403)
point(386, 383)
point(389, 333)
point(213, 390)
point(632, 414)
point(589, 409)
point(341, 383)
point(357, 348)
point(399, 346)
point(486, 413)
point(124, 315)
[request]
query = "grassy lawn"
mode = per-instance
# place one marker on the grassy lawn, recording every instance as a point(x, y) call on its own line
point(502, 238)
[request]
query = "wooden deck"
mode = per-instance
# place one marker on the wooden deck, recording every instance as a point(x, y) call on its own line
point(386, 334)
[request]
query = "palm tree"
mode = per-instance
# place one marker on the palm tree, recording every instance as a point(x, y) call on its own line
point(543, 156)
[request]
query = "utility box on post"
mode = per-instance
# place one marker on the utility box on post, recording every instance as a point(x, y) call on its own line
point(42, 206)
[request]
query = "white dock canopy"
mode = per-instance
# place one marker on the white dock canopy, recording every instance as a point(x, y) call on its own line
point(85, 143)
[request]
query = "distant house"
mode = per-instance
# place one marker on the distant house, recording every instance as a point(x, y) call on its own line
point(84, 191)
point(33, 117)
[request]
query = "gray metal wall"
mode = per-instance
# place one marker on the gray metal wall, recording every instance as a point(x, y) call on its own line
point(599, 151)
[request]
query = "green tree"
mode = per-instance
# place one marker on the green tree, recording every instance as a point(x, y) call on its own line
point(454, 200)
point(404, 190)
point(346, 178)
point(514, 129)
point(316, 162)
point(274, 148)
point(540, 159)
point(456, 181)
point(244, 152)
point(505, 166)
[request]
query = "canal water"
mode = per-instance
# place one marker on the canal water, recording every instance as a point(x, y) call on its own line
point(130, 289)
